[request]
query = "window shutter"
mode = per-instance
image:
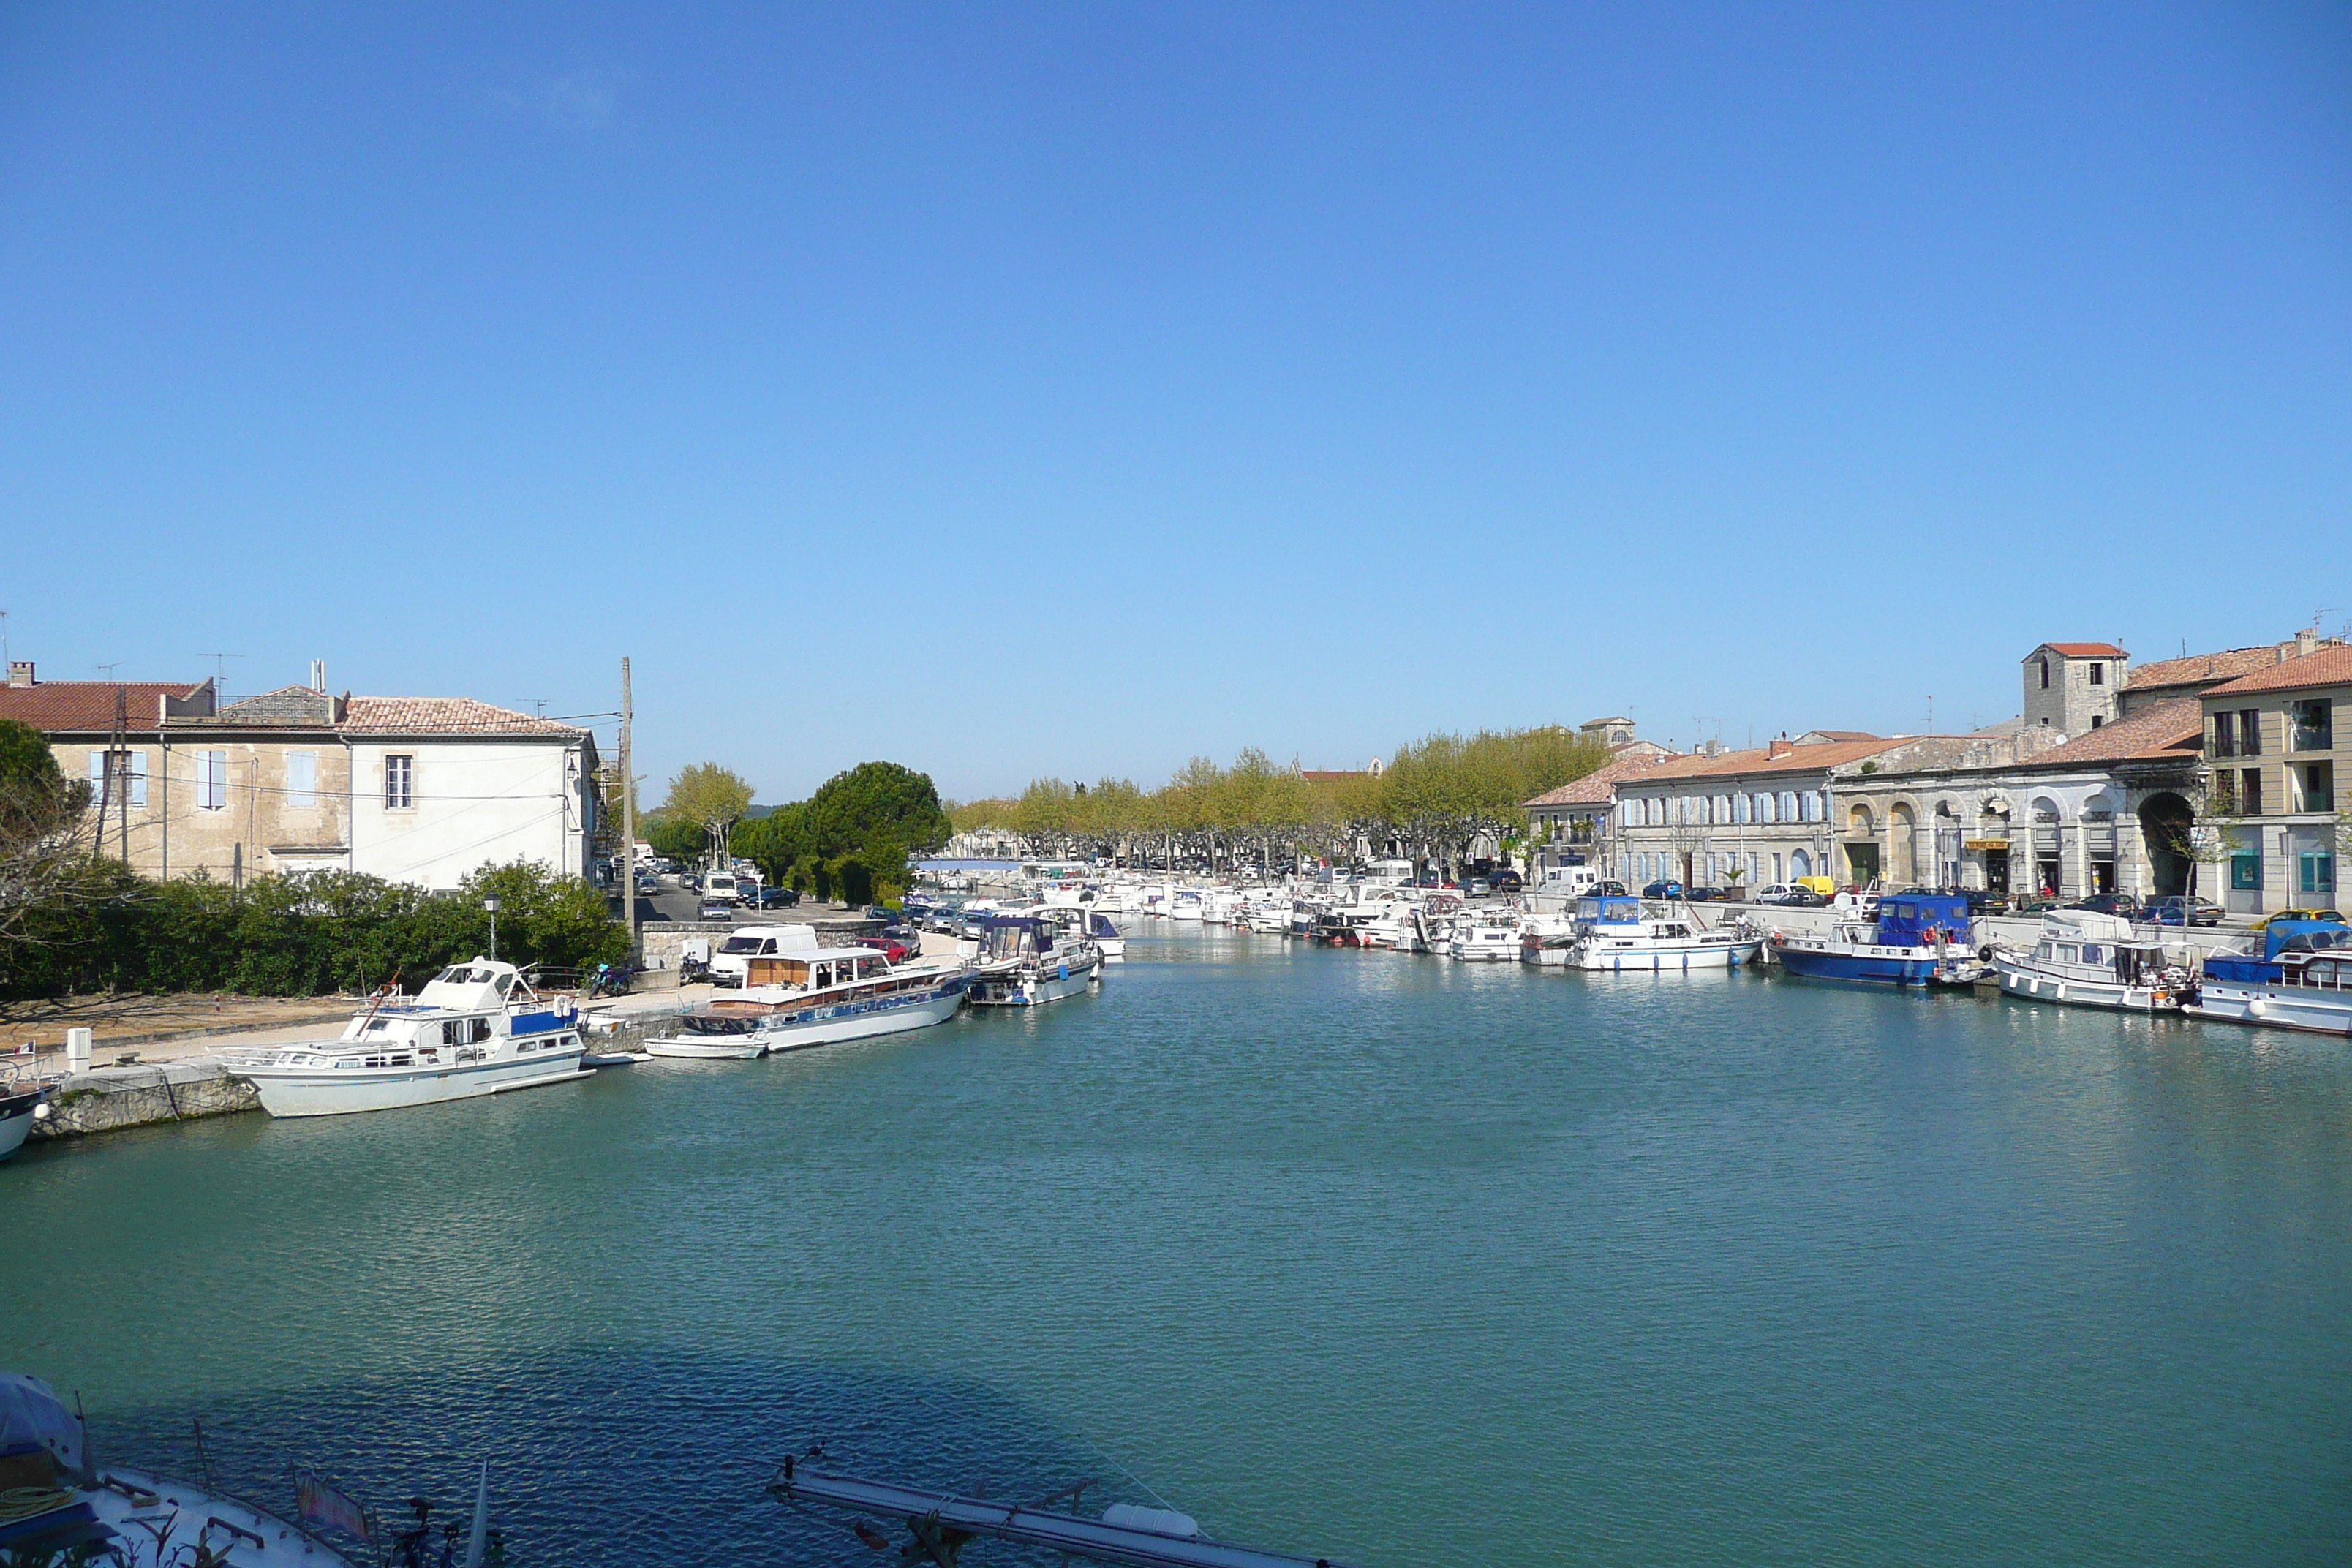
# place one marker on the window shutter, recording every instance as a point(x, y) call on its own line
point(97, 776)
point(138, 778)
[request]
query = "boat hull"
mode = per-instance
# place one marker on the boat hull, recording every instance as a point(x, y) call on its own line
point(2274, 1007)
point(714, 1048)
point(1034, 986)
point(1657, 959)
point(1879, 966)
point(17, 1121)
point(2018, 978)
point(290, 1091)
point(864, 1021)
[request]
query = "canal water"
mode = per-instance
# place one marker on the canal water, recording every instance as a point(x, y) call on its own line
point(1364, 1256)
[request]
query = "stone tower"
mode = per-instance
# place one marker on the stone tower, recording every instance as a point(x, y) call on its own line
point(2070, 686)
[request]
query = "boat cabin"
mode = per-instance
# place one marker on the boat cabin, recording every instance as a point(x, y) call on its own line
point(818, 968)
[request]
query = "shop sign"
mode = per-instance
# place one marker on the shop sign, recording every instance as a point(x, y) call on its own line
point(1987, 843)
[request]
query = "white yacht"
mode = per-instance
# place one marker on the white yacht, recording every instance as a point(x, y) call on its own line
point(20, 1103)
point(476, 1028)
point(1031, 958)
point(1615, 935)
point(2097, 961)
point(1106, 936)
point(815, 998)
point(1185, 904)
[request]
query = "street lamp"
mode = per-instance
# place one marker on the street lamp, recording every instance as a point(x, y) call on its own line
point(491, 904)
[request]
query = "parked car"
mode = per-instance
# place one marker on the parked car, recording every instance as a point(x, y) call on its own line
point(889, 947)
point(2123, 904)
point(1477, 886)
point(1504, 882)
point(1777, 892)
point(1704, 895)
point(2264, 923)
point(942, 917)
point(1663, 889)
point(715, 907)
point(1984, 901)
point(647, 883)
point(777, 898)
point(1803, 897)
point(2182, 910)
point(1607, 887)
point(2034, 905)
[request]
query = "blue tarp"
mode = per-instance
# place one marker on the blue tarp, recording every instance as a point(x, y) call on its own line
point(1905, 919)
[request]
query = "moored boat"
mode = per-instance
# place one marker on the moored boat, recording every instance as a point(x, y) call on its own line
point(2301, 979)
point(476, 1028)
point(20, 1105)
point(1485, 936)
point(1028, 959)
point(1617, 934)
point(814, 998)
point(2090, 960)
point(1911, 936)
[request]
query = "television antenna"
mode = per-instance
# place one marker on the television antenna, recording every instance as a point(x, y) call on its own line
point(105, 671)
point(220, 667)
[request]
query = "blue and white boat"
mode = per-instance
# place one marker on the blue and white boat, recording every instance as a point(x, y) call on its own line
point(1914, 936)
point(1037, 956)
point(1615, 934)
point(2301, 980)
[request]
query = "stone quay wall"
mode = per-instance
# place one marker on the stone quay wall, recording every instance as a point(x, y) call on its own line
point(107, 1100)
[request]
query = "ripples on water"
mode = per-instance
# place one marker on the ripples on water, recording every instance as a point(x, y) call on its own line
point(1353, 1254)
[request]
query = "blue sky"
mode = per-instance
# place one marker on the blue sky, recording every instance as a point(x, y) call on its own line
point(1071, 389)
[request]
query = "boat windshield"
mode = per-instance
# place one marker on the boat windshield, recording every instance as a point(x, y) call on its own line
point(702, 1024)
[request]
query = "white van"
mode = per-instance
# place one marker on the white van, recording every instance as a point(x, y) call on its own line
point(731, 964)
point(719, 885)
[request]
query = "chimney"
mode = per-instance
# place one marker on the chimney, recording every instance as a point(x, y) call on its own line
point(1780, 747)
point(20, 672)
point(2306, 641)
point(318, 676)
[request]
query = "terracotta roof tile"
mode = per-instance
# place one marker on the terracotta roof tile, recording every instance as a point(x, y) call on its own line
point(2085, 649)
point(2226, 665)
point(1600, 783)
point(77, 705)
point(2171, 727)
point(443, 716)
point(1797, 759)
point(2325, 667)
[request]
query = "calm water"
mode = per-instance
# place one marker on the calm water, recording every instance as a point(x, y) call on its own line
point(1375, 1257)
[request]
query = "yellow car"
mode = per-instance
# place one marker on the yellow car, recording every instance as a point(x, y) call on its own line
point(2264, 923)
point(1825, 886)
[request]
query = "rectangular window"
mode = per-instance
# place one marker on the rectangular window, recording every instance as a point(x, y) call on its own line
point(2096, 721)
point(2315, 872)
point(2249, 733)
point(212, 781)
point(2318, 787)
point(2310, 726)
point(2225, 735)
point(399, 783)
point(2249, 791)
point(2246, 871)
point(2098, 675)
point(301, 779)
point(113, 775)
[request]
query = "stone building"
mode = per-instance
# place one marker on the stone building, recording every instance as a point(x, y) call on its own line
point(2275, 742)
point(423, 790)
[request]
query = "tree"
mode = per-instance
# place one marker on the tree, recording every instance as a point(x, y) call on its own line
point(42, 822)
point(711, 797)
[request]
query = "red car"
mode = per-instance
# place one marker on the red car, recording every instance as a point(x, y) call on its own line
point(890, 948)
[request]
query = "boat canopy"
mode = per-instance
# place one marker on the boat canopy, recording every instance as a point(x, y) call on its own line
point(1608, 910)
point(1905, 919)
point(2088, 925)
point(2300, 936)
point(33, 1416)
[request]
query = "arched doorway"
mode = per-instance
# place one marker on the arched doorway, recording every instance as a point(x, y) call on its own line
point(2165, 822)
point(1903, 827)
point(1860, 845)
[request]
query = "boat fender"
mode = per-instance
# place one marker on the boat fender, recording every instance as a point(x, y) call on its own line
point(874, 1539)
point(1153, 1521)
point(1984, 953)
point(2257, 1008)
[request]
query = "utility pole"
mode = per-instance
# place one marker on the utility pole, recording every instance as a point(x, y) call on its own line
point(117, 760)
point(628, 867)
point(164, 764)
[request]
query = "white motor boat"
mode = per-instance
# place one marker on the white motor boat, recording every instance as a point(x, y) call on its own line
point(1032, 958)
point(1106, 936)
point(814, 998)
point(1548, 940)
point(1186, 904)
point(63, 1508)
point(1618, 934)
point(20, 1106)
point(476, 1028)
point(2090, 960)
point(1485, 936)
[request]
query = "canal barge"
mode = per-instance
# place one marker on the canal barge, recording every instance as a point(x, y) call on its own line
point(816, 998)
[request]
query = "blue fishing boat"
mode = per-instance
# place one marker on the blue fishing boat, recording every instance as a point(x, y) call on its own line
point(1914, 937)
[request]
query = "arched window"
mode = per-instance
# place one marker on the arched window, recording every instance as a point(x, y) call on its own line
point(1763, 807)
point(2045, 675)
point(1799, 865)
point(1739, 808)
